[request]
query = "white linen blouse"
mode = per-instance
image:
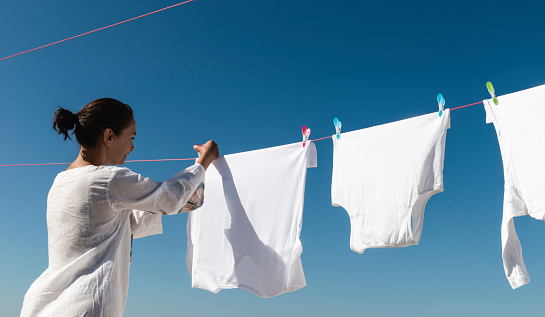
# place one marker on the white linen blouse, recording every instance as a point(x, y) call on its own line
point(92, 214)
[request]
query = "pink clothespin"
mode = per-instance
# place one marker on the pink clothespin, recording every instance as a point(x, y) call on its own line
point(198, 153)
point(306, 134)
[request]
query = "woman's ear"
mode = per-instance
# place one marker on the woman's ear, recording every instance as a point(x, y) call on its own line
point(108, 137)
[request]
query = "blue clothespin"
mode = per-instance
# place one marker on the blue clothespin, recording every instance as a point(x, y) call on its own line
point(492, 93)
point(338, 126)
point(441, 103)
point(306, 134)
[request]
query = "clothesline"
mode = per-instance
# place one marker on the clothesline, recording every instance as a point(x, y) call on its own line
point(466, 106)
point(102, 28)
point(181, 159)
point(327, 137)
point(132, 161)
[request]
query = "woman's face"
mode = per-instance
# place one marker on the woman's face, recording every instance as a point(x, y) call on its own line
point(122, 145)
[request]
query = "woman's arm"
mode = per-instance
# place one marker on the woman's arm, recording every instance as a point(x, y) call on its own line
point(129, 190)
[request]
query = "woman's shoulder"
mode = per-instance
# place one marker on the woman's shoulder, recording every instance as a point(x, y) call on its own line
point(101, 171)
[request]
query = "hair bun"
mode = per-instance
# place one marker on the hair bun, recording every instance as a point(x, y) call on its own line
point(64, 121)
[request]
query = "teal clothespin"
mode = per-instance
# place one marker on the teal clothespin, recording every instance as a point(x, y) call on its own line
point(441, 103)
point(492, 93)
point(338, 126)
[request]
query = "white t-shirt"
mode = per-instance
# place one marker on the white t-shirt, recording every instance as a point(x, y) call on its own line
point(247, 233)
point(518, 119)
point(89, 236)
point(383, 176)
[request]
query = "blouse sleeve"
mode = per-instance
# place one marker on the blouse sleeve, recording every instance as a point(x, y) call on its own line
point(150, 199)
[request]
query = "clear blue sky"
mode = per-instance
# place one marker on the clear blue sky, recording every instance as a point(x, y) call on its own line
point(249, 74)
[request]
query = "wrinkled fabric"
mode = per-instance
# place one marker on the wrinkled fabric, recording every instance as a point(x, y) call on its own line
point(518, 120)
point(246, 235)
point(383, 177)
point(89, 236)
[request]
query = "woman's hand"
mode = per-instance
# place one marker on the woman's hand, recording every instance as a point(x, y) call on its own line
point(208, 152)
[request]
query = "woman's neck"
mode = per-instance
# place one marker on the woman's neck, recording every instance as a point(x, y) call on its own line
point(87, 157)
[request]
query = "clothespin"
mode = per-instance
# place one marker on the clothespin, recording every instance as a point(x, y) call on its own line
point(441, 103)
point(198, 153)
point(492, 93)
point(306, 134)
point(338, 126)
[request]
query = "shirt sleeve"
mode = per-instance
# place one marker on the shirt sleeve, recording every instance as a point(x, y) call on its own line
point(129, 190)
point(145, 224)
point(513, 263)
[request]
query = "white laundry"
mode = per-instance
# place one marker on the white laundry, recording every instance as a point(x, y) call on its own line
point(518, 119)
point(89, 236)
point(247, 233)
point(383, 177)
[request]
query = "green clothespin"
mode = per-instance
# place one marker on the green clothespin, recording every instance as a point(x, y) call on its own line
point(492, 93)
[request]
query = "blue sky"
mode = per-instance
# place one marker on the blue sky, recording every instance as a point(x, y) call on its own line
point(250, 74)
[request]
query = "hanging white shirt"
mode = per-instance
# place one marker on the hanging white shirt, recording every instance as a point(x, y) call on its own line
point(383, 176)
point(247, 233)
point(518, 119)
point(89, 236)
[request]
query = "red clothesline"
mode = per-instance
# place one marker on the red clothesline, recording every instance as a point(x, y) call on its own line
point(102, 28)
point(185, 159)
point(450, 110)
point(133, 161)
point(466, 106)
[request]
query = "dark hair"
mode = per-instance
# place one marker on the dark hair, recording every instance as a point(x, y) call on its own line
point(93, 119)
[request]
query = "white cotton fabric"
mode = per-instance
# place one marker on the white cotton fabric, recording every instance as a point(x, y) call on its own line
point(383, 177)
point(89, 236)
point(518, 119)
point(246, 235)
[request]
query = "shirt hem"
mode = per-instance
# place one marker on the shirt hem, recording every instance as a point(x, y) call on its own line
point(217, 289)
point(519, 281)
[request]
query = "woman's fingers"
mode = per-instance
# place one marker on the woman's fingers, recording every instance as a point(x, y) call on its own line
point(208, 152)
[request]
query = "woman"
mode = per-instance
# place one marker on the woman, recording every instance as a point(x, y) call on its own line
point(95, 209)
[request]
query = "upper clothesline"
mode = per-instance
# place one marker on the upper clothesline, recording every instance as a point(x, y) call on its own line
point(176, 159)
point(99, 29)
